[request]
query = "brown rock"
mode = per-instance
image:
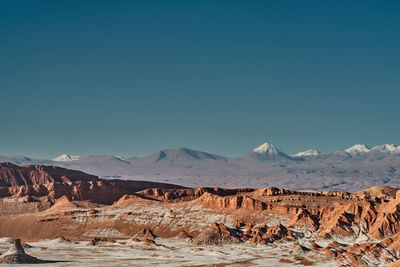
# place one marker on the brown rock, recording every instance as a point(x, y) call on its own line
point(95, 241)
point(304, 219)
point(148, 241)
point(184, 234)
point(258, 239)
point(13, 175)
point(145, 233)
point(279, 232)
point(217, 234)
point(17, 255)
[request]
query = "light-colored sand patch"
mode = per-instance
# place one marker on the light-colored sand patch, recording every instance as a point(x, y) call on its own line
point(171, 252)
point(105, 233)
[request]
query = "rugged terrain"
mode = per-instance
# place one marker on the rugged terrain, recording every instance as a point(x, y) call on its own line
point(60, 213)
point(352, 169)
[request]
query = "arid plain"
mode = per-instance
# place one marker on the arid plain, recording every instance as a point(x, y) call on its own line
point(63, 219)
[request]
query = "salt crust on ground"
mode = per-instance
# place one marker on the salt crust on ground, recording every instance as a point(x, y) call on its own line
point(169, 252)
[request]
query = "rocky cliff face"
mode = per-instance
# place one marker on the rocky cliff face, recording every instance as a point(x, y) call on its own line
point(360, 228)
point(33, 188)
point(376, 218)
point(14, 175)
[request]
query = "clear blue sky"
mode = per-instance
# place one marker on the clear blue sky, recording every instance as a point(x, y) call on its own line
point(132, 77)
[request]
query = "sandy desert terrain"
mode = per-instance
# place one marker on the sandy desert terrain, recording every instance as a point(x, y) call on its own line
point(69, 218)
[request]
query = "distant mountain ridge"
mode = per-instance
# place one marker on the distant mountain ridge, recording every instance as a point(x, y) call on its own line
point(67, 157)
point(357, 149)
point(14, 175)
point(351, 169)
point(267, 151)
point(182, 153)
point(307, 153)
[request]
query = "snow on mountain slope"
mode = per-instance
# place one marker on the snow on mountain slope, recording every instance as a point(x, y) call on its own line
point(266, 152)
point(307, 153)
point(182, 155)
point(22, 160)
point(357, 150)
point(387, 148)
point(18, 160)
point(101, 165)
point(67, 158)
point(263, 166)
point(266, 148)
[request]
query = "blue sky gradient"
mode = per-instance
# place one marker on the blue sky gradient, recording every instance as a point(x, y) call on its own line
point(132, 77)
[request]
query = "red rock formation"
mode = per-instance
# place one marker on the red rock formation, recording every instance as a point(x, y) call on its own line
point(148, 241)
point(392, 242)
point(279, 232)
point(63, 203)
point(173, 195)
point(17, 255)
point(258, 239)
point(377, 192)
point(304, 219)
point(39, 186)
point(146, 233)
point(231, 202)
point(373, 218)
point(374, 213)
point(217, 234)
point(360, 254)
point(387, 220)
point(13, 175)
point(184, 234)
point(300, 248)
point(315, 246)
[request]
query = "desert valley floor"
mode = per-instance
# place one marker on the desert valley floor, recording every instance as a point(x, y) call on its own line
point(167, 252)
point(69, 218)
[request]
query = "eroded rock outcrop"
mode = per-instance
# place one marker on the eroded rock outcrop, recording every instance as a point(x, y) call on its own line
point(304, 220)
point(217, 234)
point(231, 202)
point(375, 219)
point(33, 188)
point(146, 233)
point(364, 224)
point(279, 232)
point(183, 234)
point(17, 255)
point(14, 175)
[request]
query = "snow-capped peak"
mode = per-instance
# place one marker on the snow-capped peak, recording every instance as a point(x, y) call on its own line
point(67, 158)
point(266, 148)
point(389, 148)
point(357, 149)
point(307, 153)
point(119, 157)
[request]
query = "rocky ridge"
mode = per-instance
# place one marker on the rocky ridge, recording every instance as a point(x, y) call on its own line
point(358, 228)
point(17, 255)
point(352, 169)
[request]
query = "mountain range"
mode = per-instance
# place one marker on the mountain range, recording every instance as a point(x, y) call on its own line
point(352, 169)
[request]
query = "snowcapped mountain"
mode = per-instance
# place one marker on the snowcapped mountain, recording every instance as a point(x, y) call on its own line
point(357, 150)
point(267, 152)
point(179, 157)
point(387, 148)
point(182, 155)
point(307, 153)
point(351, 169)
point(67, 158)
point(19, 160)
point(266, 148)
